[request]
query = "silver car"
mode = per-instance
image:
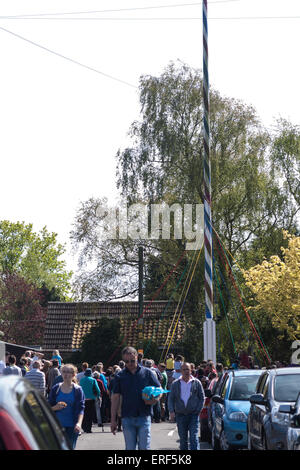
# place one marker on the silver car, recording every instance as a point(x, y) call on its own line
point(293, 434)
point(270, 417)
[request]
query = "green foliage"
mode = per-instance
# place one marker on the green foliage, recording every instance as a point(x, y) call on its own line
point(285, 153)
point(151, 350)
point(255, 194)
point(103, 343)
point(35, 256)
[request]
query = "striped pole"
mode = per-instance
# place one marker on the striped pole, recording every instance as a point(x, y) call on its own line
point(209, 325)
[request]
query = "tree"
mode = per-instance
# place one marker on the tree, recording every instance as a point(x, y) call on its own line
point(22, 317)
point(285, 152)
point(164, 164)
point(34, 256)
point(275, 285)
point(165, 161)
point(103, 342)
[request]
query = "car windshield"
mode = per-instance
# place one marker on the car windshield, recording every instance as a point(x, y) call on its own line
point(243, 387)
point(287, 387)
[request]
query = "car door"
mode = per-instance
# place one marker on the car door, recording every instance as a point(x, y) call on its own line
point(261, 413)
point(255, 414)
point(219, 410)
point(211, 410)
point(42, 423)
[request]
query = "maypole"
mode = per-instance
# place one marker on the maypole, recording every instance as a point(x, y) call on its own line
point(209, 327)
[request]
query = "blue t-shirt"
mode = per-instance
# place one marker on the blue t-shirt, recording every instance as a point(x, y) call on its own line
point(130, 386)
point(65, 416)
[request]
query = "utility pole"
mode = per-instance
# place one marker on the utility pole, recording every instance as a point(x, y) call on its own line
point(141, 300)
point(209, 327)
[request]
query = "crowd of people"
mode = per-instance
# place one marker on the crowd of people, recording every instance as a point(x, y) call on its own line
point(92, 395)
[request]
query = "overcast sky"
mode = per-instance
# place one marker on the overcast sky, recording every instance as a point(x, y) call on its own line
point(62, 123)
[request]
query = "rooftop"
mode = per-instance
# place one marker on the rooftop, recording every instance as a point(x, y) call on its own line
point(68, 322)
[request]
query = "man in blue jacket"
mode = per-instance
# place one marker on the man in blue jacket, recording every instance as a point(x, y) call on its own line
point(186, 400)
point(136, 412)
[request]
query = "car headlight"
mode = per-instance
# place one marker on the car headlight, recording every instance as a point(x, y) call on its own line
point(238, 416)
point(280, 418)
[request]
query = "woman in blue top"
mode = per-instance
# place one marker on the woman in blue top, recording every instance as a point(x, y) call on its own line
point(68, 401)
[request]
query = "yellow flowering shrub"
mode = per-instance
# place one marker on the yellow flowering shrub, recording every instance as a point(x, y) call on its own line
point(275, 285)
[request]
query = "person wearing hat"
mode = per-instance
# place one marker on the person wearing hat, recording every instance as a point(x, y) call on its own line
point(91, 392)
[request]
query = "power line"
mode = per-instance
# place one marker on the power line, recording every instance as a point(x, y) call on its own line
point(116, 10)
point(68, 58)
point(231, 18)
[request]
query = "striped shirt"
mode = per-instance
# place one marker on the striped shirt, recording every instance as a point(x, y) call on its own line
point(37, 378)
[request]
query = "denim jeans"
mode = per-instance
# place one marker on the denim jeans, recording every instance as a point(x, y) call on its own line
point(72, 436)
point(188, 424)
point(137, 432)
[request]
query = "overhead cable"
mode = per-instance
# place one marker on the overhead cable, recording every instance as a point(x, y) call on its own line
point(68, 58)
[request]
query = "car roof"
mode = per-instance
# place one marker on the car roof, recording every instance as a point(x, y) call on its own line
point(284, 371)
point(244, 372)
point(8, 384)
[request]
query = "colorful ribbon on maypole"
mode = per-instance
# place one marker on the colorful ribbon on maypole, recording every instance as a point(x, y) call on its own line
point(208, 283)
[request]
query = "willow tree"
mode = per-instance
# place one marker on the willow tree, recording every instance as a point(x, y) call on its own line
point(165, 160)
point(164, 164)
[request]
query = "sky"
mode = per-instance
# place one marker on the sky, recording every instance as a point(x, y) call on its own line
point(69, 87)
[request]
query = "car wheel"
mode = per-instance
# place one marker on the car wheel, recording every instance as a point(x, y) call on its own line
point(215, 443)
point(264, 442)
point(296, 446)
point(224, 444)
point(250, 445)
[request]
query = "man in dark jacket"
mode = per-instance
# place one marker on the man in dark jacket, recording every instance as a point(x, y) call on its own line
point(136, 412)
point(186, 400)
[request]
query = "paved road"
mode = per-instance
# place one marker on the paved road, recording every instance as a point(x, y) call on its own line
point(164, 436)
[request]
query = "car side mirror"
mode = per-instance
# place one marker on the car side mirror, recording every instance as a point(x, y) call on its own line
point(218, 399)
point(258, 399)
point(286, 409)
point(207, 393)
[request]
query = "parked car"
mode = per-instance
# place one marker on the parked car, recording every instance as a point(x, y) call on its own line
point(205, 433)
point(268, 419)
point(293, 434)
point(212, 405)
point(26, 419)
point(229, 423)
